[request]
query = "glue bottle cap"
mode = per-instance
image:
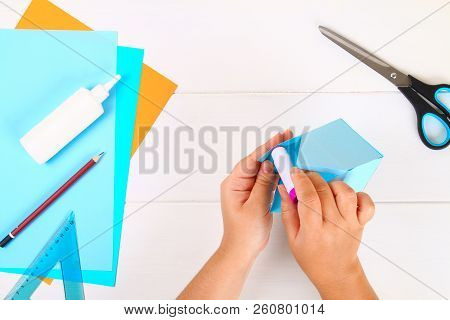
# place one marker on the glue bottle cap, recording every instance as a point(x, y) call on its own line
point(101, 91)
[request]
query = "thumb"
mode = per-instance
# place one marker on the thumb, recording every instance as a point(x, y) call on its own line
point(265, 183)
point(289, 214)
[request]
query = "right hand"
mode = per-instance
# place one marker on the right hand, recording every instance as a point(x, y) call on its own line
point(324, 230)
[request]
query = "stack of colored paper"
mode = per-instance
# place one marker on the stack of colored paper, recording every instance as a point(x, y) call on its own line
point(40, 69)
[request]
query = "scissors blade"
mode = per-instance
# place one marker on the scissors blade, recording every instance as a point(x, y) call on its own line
point(393, 75)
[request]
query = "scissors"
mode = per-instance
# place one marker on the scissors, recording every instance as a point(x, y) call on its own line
point(433, 111)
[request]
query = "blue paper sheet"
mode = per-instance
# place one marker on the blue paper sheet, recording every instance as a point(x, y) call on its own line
point(336, 152)
point(41, 69)
point(129, 66)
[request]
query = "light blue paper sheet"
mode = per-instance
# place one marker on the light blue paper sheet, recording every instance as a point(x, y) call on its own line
point(336, 152)
point(39, 70)
point(129, 66)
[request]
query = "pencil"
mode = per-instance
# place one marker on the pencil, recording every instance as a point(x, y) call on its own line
point(47, 203)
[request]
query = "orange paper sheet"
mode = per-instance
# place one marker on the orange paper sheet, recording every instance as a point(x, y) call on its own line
point(155, 89)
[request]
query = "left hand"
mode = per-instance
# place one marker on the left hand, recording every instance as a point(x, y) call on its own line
point(246, 196)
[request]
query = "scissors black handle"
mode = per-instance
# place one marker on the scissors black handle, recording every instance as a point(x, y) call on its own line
point(422, 96)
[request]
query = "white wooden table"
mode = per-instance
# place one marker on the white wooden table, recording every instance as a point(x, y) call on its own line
point(242, 63)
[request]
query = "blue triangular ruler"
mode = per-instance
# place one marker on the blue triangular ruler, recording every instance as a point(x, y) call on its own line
point(61, 248)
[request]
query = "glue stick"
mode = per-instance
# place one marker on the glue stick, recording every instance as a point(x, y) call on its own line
point(66, 122)
point(282, 163)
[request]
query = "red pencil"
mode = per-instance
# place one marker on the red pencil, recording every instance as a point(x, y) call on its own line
point(47, 203)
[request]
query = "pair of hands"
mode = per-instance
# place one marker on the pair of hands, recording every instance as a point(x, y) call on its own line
point(323, 229)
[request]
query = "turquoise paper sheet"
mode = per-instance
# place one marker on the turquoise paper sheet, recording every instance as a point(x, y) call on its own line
point(39, 70)
point(129, 66)
point(336, 152)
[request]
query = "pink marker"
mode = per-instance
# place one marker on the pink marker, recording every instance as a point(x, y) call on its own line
point(283, 164)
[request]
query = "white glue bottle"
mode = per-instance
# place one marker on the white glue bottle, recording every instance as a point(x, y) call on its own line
point(282, 162)
point(66, 122)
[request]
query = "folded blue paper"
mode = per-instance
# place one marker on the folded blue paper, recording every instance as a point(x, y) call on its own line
point(41, 69)
point(336, 152)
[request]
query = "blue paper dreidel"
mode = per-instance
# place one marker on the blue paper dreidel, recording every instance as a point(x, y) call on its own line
point(336, 152)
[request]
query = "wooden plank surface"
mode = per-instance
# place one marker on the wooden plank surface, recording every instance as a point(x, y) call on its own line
point(266, 46)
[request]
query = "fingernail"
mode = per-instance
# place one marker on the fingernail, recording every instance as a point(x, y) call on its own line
point(286, 132)
point(267, 167)
point(295, 170)
point(282, 191)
